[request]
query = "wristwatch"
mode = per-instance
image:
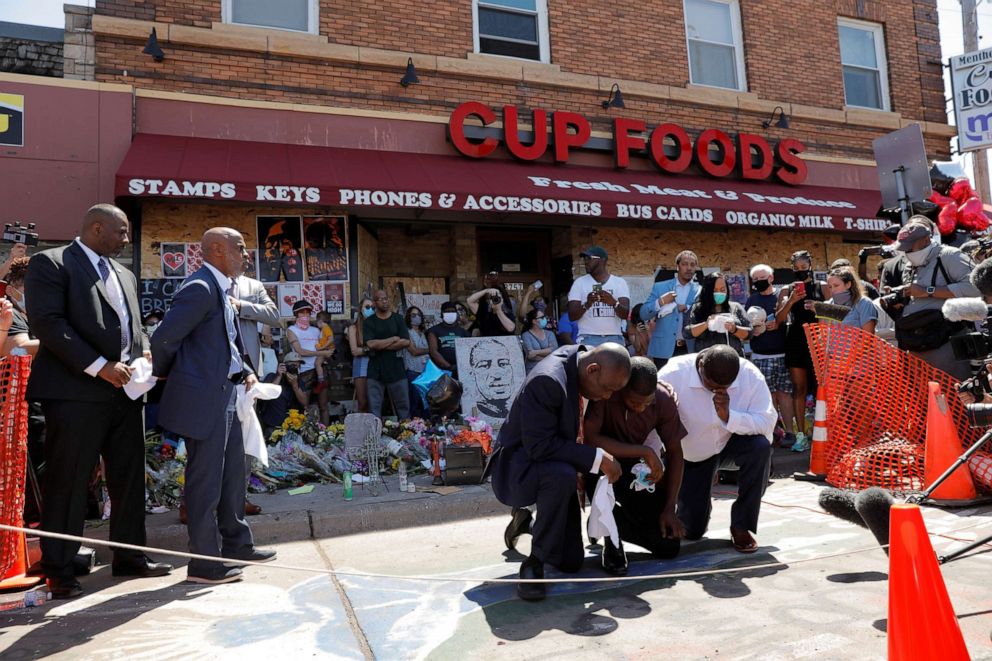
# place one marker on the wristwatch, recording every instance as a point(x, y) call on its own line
point(930, 291)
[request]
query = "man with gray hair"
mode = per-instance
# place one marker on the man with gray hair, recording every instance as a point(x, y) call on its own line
point(768, 347)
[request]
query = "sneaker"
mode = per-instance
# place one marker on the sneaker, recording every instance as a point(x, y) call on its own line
point(801, 444)
point(788, 440)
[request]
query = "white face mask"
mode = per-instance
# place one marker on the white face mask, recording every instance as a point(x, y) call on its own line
point(449, 317)
point(918, 257)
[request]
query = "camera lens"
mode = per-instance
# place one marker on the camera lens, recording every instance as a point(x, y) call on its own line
point(979, 415)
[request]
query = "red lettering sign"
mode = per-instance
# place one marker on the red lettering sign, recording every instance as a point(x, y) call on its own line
point(749, 155)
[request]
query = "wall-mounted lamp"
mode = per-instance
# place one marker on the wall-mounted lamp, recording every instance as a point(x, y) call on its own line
point(411, 74)
point(152, 48)
point(782, 122)
point(615, 99)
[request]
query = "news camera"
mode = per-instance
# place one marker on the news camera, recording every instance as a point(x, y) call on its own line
point(975, 347)
point(17, 233)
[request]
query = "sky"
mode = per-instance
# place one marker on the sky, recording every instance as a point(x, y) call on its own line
point(49, 12)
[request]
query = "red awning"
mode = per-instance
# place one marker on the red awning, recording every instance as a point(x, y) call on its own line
point(199, 168)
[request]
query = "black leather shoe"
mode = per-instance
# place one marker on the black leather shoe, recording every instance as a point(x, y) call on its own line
point(531, 568)
point(254, 554)
point(216, 576)
point(614, 558)
point(141, 567)
point(519, 525)
point(64, 588)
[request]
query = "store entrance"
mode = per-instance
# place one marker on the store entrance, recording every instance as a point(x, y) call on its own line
point(521, 256)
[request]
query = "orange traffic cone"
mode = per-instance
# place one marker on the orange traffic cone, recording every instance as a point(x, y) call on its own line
point(922, 624)
point(16, 577)
point(943, 447)
point(818, 449)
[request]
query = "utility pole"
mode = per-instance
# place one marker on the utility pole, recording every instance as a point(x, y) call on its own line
point(969, 26)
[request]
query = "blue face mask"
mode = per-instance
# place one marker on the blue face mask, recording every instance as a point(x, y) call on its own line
point(368, 312)
point(543, 322)
point(719, 297)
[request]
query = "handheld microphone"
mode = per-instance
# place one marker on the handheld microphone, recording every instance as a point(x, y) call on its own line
point(966, 309)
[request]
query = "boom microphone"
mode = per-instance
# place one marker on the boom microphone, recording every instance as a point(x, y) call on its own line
point(841, 504)
point(872, 506)
point(981, 277)
point(966, 309)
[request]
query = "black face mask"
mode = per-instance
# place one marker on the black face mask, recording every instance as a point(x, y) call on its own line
point(802, 276)
point(759, 285)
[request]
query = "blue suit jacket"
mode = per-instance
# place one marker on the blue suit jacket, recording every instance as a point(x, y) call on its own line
point(542, 426)
point(666, 331)
point(191, 348)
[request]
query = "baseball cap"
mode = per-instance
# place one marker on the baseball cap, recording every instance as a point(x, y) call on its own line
point(449, 306)
point(299, 306)
point(910, 234)
point(891, 232)
point(595, 251)
point(292, 357)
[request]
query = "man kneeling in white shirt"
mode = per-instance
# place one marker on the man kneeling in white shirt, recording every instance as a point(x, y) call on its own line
point(727, 411)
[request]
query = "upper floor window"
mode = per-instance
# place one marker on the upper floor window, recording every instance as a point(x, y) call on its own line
point(297, 15)
point(862, 56)
point(514, 28)
point(716, 51)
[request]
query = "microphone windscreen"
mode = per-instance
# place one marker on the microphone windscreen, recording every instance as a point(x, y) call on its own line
point(840, 503)
point(873, 505)
point(981, 277)
point(965, 309)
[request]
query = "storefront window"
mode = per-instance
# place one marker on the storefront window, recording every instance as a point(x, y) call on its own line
point(713, 33)
point(513, 28)
point(862, 54)
point(297, 15)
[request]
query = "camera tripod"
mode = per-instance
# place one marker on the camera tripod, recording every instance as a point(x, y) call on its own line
point(925, 495)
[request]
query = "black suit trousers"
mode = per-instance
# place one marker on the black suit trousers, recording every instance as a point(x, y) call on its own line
point(77, 435)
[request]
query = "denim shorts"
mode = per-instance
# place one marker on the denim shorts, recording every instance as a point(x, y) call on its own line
point(359, 367)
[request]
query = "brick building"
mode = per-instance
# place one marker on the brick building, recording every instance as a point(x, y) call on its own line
point(252, 108)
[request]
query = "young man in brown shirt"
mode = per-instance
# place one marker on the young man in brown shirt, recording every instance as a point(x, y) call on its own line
point(621, 425)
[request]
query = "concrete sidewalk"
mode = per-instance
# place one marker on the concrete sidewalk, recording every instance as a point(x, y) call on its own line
point(324, 513)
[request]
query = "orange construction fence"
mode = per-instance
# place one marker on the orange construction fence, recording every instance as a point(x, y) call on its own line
point(876, 406)
point(14, 371)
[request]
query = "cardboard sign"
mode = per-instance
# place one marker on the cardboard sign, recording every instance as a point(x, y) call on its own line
point(429, 304)
point(491, 370)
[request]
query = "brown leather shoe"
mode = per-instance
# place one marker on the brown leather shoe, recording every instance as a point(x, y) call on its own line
point(251, 509)
point(182, 513)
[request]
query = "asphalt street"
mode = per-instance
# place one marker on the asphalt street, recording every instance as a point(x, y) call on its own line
point(808, 607)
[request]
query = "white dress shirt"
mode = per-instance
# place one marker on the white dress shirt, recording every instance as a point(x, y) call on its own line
point(751, 410)
point(116, 293)
point(226, 285)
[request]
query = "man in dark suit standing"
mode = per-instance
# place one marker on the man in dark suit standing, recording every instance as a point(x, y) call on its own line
point(537, 457)
point(198, 349)
point(84, 310)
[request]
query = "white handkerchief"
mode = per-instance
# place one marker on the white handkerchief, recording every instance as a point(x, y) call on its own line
point(141, 378)
point(251, 429)
point(601, 521)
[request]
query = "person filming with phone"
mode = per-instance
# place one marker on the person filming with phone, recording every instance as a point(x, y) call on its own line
point(598, 302)
point(287, 375)
point(493, 308)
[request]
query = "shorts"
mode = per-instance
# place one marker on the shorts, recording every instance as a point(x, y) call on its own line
point(360, 367)
point(308, 380)
point(776, 374)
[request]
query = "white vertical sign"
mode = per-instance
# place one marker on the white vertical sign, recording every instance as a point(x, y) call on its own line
point(971, 82)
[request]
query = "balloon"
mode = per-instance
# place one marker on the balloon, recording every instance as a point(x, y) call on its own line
point(947, 219)
point(961, 190)
point(971, 215)
point(937, 198)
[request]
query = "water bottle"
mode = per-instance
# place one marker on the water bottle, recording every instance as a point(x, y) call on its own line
point(36, 597)
point(402, 474)
point(347, 485)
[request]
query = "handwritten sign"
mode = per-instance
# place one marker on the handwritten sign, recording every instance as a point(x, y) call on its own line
point(156, 294)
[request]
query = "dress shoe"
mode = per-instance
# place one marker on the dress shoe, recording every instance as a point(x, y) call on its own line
point(216, 576)
point(254, 554)
point(520, 522)
point(251, 509)
point(614, 558)
point(141, 567)
point(531, 568)
point(64, 588)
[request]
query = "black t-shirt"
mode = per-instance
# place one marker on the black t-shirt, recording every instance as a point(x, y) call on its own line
point(385, 366)
point(870, 290)
point(446, 335)
point(489, 324)
point(769, 343)
point(892, 272)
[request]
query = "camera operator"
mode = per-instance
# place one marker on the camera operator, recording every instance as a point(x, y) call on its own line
point(493, 308)
point(272, 412)
point(932, 274)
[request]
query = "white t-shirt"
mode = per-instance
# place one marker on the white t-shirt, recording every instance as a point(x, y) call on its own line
point(308, 340)
point(600, 319)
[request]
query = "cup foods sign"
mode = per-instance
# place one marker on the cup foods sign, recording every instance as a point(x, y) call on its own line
point(971, 82)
